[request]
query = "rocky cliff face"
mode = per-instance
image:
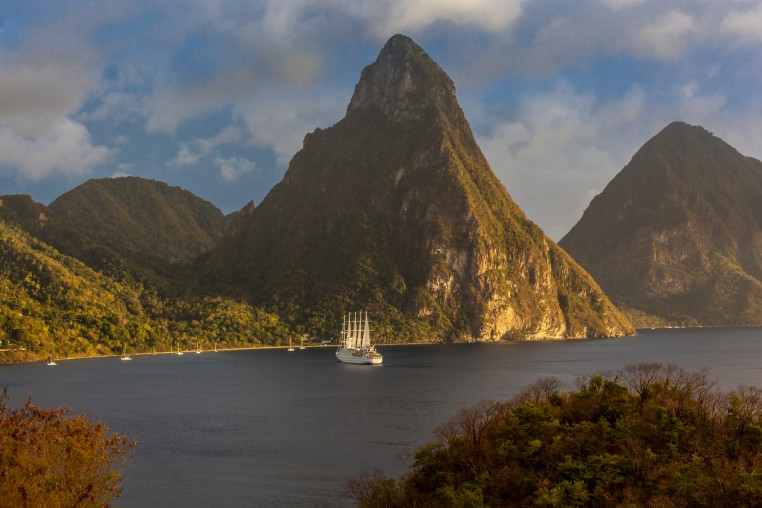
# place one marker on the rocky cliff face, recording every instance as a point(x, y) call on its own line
point(394, 209)
point(678, 232)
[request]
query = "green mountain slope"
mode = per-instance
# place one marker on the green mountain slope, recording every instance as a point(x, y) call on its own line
point(394, 209)
point(678, 232)
point(53, 304)
point(142, 218)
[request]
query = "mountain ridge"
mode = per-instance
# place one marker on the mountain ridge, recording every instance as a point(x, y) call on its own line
point(138, 215)
point(678, 232)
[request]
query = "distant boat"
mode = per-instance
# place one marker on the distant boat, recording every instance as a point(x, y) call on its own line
point(215, 346)
point(50, 361)
point(354, 345)
point(301, 344)
point(179, 353)
point(125, 356)
point(290, 349)
point(198, 348)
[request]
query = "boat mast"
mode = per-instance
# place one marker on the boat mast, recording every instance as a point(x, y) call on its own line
point(353, 330)
point(345, 330)
point(366, 332)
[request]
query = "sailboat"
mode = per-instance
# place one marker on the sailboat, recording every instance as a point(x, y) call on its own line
point(198, 348)
point(290, 349)
point(301, 343)
point(50, 361)
point(125, 356)
point(215, 346)
point(355, 346)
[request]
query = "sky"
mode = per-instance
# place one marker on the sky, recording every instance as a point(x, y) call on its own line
point(216, 96)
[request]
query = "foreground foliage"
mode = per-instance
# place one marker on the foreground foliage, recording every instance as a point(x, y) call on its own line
point(652, 435)
point(49, 459)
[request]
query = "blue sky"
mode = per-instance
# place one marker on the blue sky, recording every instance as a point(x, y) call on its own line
point(216, 96)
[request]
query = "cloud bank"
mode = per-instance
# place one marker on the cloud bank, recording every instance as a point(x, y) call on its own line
point(559, 94)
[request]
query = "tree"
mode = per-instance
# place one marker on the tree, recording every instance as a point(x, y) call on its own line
point(48, 458)
point(670, 440)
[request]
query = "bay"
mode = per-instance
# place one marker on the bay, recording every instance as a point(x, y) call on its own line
point(273, 428)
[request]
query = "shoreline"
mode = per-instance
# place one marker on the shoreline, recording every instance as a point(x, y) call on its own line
point(43, 359)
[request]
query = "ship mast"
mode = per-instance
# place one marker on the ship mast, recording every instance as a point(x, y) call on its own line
point(366, 333)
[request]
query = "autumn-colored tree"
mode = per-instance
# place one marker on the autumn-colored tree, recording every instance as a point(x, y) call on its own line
point(50, 459)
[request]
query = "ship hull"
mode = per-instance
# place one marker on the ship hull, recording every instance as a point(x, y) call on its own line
point(356, 356)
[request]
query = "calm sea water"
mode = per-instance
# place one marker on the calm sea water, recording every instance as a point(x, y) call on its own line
point(272, 428)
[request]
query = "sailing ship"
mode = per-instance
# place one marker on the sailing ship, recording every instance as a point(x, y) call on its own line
point(355, 346)
point(50, 361)
point(125, 356)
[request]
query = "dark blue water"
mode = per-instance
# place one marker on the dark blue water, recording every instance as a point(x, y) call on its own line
point(272, 428)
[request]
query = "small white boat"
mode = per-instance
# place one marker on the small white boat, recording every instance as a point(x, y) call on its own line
point(215, 347)
point(290, 349)
point(301, 343)
point(198, 348)
point(50, 361)
point(125, 356)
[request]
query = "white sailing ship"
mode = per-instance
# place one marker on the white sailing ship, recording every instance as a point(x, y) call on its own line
point(355, 346)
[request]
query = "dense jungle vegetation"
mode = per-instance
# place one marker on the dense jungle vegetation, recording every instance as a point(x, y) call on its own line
point(52, 304)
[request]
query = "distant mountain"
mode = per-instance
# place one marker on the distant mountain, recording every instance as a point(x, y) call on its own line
point(678, 232)
point(142, 218)
point(394, 209)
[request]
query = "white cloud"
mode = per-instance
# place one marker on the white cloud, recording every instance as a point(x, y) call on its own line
point(666, 37)
point(45, 78)
point(621, 4)
point(233, 167)
point(31, 96)
point(414, 15)
point(280, 120)
point(747, 25)
point(191, 152)
point(185, 157)
point(63, 147)
point(560, 148)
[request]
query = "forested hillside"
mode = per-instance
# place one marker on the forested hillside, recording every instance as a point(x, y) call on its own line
point(52, 304)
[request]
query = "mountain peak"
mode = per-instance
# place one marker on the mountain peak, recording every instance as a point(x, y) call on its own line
point(676, 233)
point(403, 82)
point(395, 209)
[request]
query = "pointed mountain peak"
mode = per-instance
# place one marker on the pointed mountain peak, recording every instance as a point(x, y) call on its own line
point(677, 231)
point(396, 209)
point(403, 82)
point(680, 132)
